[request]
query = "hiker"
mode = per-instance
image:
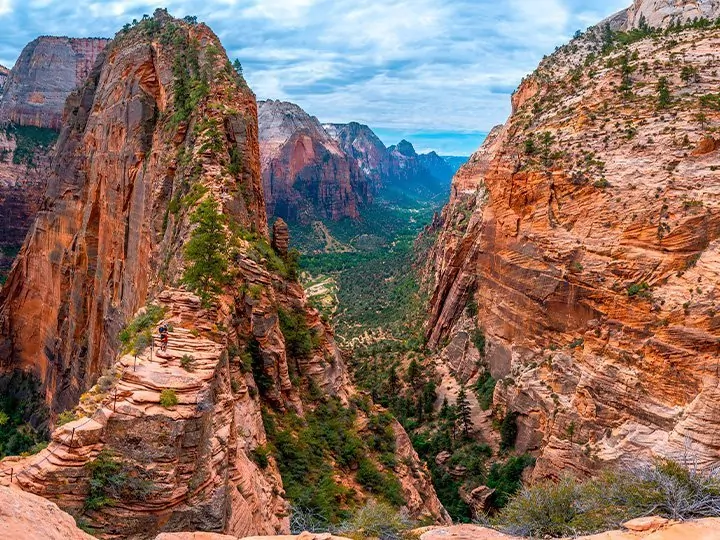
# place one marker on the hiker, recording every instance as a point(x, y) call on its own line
point(164, 335)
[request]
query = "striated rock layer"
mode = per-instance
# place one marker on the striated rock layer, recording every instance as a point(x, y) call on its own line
point(587, 232)
point(48, 70)
point(305, 173)
point(138, 160)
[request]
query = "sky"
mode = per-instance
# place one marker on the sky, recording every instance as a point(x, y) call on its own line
point(438, 73)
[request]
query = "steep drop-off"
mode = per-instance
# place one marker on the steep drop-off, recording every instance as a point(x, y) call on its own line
point(155, 210)
point(31, 109)
point(583, 240)
point(306, 175)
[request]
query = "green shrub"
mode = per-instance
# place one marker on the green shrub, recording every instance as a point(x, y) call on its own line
point(260, 456)
point(187, 362)
point(66, 417)
point(570, 507)
point(137, 335)
point(638, 290)
point(484, 389)
point(506, 478)
point(112, 481)
point(168, 398)
point(299, 339)
point(508, 431)
point(376, 520)
point(478, 339)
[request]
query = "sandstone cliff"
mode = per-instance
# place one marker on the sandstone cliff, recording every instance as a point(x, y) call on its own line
point(24, 162)
point(305, 173)
point(583, 239)
point(161, 141)
point(49, 68)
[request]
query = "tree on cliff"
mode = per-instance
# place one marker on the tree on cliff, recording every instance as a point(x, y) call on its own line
point(463, 411)
point(205, 252)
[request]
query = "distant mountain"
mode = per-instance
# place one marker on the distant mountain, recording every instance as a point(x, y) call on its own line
point(397, 169)
point(4, 72)
point(306, 175)
point(455, 162)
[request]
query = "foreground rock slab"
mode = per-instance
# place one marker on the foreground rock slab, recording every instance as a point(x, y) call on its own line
point(651, 528)
point(24, 516)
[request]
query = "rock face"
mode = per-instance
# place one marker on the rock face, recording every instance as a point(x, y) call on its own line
point(22, 187)
point(587, 232)
point(4, 72)
point(305, 173)
point(398, 168)
point(137, 166)
point(360, 143)
point(663, 13)
point(48, 70)
point(24, 516)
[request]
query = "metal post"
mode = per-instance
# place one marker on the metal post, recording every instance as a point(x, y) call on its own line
point(115, 400)
point(11, 474)
point(152, 347)
point(72, 436)
point(135, 362)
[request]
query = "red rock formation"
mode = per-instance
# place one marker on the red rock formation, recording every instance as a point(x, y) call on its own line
point(135, 161)
point(587, 231)
point(305, 173)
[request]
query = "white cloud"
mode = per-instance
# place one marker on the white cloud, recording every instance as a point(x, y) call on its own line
point(431, 65)
point(5, 7)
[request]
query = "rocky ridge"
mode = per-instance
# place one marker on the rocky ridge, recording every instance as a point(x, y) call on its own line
point(139, 160)
point(586, 231)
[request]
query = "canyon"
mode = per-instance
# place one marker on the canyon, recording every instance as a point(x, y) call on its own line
point(569, 286)
point(140, 168)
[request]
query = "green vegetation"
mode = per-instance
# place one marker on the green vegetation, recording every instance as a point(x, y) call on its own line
point(571, 507)
point(377, 287)
point(664, 98)
point(299, 339)
point(508, 431)
point(206, 252)
point(639, 290)
point(187, 362)
point(66, 417)
point(306, 449)
point(30, 143)
point(112, 481)
point(21, 403)
point(137, 335)
point(484, 389)
point(375, 520)
point(168, 398)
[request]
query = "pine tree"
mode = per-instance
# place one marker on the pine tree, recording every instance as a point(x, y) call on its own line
point(413, 373)
point(664, 96)
point(205, 251)
point(463, 411)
